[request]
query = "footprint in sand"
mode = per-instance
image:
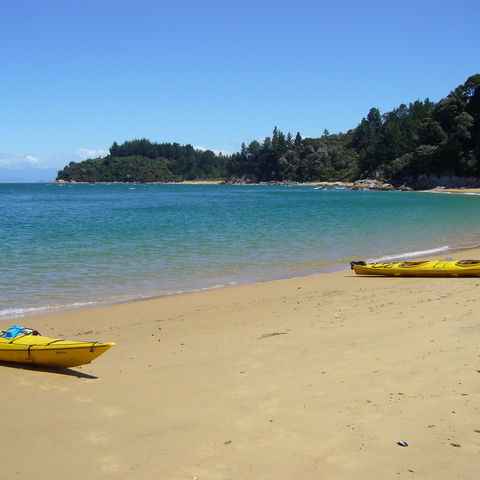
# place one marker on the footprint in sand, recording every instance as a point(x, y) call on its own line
point(110, 412)
point(109, 465)
point(25, 383)
point(97, 437)
point(84, 399)
point(52, 387)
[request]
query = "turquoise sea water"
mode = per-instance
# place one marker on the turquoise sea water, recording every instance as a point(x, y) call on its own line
point(63, 246)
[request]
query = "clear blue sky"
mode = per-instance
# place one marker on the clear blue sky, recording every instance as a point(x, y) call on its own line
point(76, 75)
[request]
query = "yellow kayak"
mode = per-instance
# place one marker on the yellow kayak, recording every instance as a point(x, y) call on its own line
point(50, 352)
point(437, 268)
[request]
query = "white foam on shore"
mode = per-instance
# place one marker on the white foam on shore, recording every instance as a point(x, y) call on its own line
point(418, 253)
point(19, 313)
point(12, 313)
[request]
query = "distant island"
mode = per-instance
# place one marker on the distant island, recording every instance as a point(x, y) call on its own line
point(420, 145)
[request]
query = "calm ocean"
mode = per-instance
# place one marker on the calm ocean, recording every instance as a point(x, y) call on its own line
point(63, 246)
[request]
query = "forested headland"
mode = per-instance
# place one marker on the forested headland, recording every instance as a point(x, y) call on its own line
point(412, 145)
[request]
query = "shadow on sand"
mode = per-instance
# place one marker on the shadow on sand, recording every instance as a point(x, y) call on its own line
point(39, 368)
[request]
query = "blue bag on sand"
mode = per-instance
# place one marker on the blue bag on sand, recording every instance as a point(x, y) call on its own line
point(12, 332)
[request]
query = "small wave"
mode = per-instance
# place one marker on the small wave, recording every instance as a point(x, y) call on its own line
point(22, 312)
point(11, 313)
point(19, 312)
point(194, 290)
point(418, 253)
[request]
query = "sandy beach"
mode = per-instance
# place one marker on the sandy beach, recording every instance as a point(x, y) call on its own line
point(465, 191)
point(309, 378)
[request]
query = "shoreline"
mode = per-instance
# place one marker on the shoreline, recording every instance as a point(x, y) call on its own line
point(437, 189)
point(317, 376)
point(464, 191)
point(210, 182)
point(348, 185)
point(94, 287)
point(33, 312)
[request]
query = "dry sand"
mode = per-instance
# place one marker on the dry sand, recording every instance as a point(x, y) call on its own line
point(465, 191)
point(311, 378)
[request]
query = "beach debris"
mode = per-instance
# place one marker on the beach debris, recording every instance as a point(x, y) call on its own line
point(455, 445)
point(266, 335)
point(402, 443)
point(228, 442)
point(477, 431)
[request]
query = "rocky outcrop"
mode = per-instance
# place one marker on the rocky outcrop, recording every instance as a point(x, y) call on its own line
point(369, 184)
point(251, 179)
point(422, 182)
point(243, 180)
